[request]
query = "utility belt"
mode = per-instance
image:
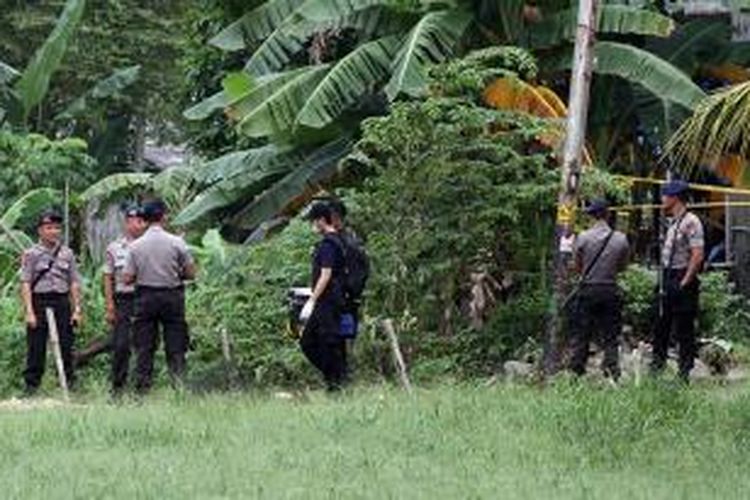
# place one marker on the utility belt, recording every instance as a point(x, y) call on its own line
point(50, 295)
point(143, 288)
point(124, 295)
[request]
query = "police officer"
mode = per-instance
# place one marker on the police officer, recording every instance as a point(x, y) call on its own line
point(120, 297)
point(157, 265)
point(321, 340)
point(49, 279)
point(681, 259)
point(600, 254)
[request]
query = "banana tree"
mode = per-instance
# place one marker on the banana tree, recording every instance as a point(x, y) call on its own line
point(294, 100)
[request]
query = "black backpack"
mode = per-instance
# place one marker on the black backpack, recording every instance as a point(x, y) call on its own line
point(356, 266)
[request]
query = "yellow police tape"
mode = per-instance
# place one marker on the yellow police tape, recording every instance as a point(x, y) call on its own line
point(695, 187)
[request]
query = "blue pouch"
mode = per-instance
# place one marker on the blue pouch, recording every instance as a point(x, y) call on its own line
point(348, 327)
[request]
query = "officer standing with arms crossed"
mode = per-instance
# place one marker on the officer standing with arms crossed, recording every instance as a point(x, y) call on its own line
point(157, 265)
point(120, 297)
point(49, 279)
point(601, 254)
point(682, 259)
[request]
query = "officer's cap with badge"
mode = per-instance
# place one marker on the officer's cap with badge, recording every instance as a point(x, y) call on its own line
point(49, 216)
point(677, 188)
point(133, 210)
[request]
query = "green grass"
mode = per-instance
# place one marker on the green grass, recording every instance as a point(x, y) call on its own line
point(566, 441)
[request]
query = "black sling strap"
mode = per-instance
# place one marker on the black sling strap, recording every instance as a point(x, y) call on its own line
point(596, 257)
point(47, 269)
point(674, 241)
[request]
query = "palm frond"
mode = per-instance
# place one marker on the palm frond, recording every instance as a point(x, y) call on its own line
point(106, 88)
point(278, 48)
point(431, 40)
point(30, 204)
point(720, 125)
point(7, 73)
point(355, 75)
point(206, 107)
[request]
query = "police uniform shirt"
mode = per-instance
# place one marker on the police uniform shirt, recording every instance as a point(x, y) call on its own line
point(61, 275)
point(114, 263)
point(685, 233)
point(613, 259)
point(158, 259)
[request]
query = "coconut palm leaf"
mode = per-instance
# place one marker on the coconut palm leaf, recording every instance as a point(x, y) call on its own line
point(317, 167)
point(719, 125)
point(620, 19)
point(431, 40)
point(277, 114)
point(34, 82)
point(256, 25)
point(353, 76)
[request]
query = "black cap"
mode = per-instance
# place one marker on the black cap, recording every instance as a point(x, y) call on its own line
point(49, 216)
point(319, 210)
point(675, 188)
point(133, 210)
point(596, 207)
point(154, 210)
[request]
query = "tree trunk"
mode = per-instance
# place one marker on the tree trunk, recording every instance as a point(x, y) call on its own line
point(575, 134)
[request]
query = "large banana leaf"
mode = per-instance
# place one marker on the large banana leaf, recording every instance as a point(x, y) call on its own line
point(235, 163)
point(34, 82)
point(7, 73)
point(248, 180)
point(431, 40)
point(313, 169)
point(277, 50)
point(619, 19)
point(648, 70)
point(264, 88)
point(117, 185)
point(256, 25)
point(106, 88)
point(321, 11)
point(353, 76)
point(206, 107)
point(278, 113)
point(31, 203)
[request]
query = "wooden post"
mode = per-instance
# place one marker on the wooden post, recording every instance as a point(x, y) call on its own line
point(226, 347)
point(575, 135)
point(54, 340)
point(398, 359)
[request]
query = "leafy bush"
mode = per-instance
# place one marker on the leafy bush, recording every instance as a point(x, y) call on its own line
point(724, 312)
point(30, 161)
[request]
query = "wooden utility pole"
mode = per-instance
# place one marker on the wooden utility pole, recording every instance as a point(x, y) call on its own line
point(567, 201)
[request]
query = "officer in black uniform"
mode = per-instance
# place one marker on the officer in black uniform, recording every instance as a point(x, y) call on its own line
point(49, 279)
point(158, 263)
point(321, 339)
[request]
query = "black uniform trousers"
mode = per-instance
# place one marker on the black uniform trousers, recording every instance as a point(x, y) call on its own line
point(323, 345)
point(156, 307)
point(597, 310)
point(36, 338)
point(676, 321)
point(122, 339)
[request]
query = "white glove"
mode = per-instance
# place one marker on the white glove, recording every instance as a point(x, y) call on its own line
point(307, 310)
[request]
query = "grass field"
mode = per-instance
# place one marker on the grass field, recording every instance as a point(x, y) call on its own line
point(566, 441)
